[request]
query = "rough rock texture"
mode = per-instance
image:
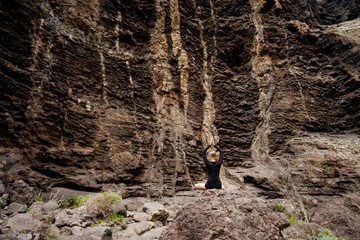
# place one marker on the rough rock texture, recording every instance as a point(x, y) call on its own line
point(341, 219)
point(226, 215)
point(98, 95)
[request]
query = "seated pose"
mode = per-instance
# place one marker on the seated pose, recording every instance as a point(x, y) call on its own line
point(213, 169)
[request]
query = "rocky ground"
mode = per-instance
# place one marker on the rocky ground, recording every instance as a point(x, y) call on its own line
point(233, 213)
point(143, 219)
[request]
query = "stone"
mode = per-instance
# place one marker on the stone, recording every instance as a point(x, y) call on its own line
point(27, 236)
point(153, 234)
point(50, 206)
point(36, 210)
point(133, 204)
point(226, 214)
point(157, 211)
point(17, 207)
point(118, 208)
point(141, 227)
point(141, 217)
point(96, 233)
point(21, 192)
point(23, 221)
point(76, 230)
point(86, 217)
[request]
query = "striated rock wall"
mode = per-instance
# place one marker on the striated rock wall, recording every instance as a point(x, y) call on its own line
point(113, 94)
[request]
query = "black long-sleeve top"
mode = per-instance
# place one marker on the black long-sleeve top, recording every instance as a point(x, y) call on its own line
point(213, 169)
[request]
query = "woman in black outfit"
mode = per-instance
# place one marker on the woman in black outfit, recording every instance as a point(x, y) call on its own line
point(213, 168)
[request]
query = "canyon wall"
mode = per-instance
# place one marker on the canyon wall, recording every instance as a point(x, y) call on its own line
point(124, 94)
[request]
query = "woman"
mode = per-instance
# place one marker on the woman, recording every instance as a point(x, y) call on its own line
point(213, 168)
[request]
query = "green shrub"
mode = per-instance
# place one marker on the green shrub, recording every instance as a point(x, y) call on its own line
point(325, 234)
point(279, 208)
point(325, 166)
point(292, 219)
point(37, 197)
point(113, 217)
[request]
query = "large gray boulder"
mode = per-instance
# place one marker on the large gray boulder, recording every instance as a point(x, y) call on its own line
point(96, 233)
point(231, 214)
point(24, 221)
point(17, 207)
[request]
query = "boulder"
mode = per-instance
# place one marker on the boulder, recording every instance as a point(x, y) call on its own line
point(156, 211)
point(97, 233)
point(153, 234)
point(23, 221)
point(141, 217)
point(50, 206)
point(17, 208)
point(36, 210)
point(230, 214)
point(21, 192)
point(133, 204)
point(141, 227)
point(118, 208)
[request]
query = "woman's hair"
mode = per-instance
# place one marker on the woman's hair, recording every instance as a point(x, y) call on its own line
point(213, 155)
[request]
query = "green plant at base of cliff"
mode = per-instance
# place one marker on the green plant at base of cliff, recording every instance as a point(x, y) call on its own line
point(279, 208)
point(325, 234)
point(37, 197)
point(80, 200)
point(2, 203)
point(292, 219)
point(114, 217)
point(325, 166)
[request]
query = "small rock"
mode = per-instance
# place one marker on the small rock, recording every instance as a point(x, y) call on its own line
point(76, 230)
point(60, 223)
point(27, 236)
point(50, 206)
point(157, 212)
point(130, 213)
point(141, 217)
point(66, 231)
point(97, 233)
point(86, 217)
point(141, 228)
point(36, 210)
point(133, 204)
point(118, 208)
point(153, 234)
point(23, 221)
point(85, 224)
point(17, 207)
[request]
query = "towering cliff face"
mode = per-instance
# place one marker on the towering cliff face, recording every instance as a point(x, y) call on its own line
point(117, 94)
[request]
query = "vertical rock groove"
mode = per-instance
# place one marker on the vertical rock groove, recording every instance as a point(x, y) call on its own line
point(171, 120)
point(208, 128)
point(262, 73)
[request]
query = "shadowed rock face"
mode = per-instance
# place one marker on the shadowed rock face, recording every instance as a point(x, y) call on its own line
point(114, 94)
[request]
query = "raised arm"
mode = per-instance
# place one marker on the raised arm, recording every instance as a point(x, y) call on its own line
point(221, 154)
point(204, 154)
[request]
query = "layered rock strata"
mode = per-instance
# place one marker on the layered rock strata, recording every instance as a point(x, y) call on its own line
point(114, 94)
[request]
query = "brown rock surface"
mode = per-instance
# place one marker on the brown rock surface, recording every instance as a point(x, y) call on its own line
point(226, 215)
point(99, 95)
